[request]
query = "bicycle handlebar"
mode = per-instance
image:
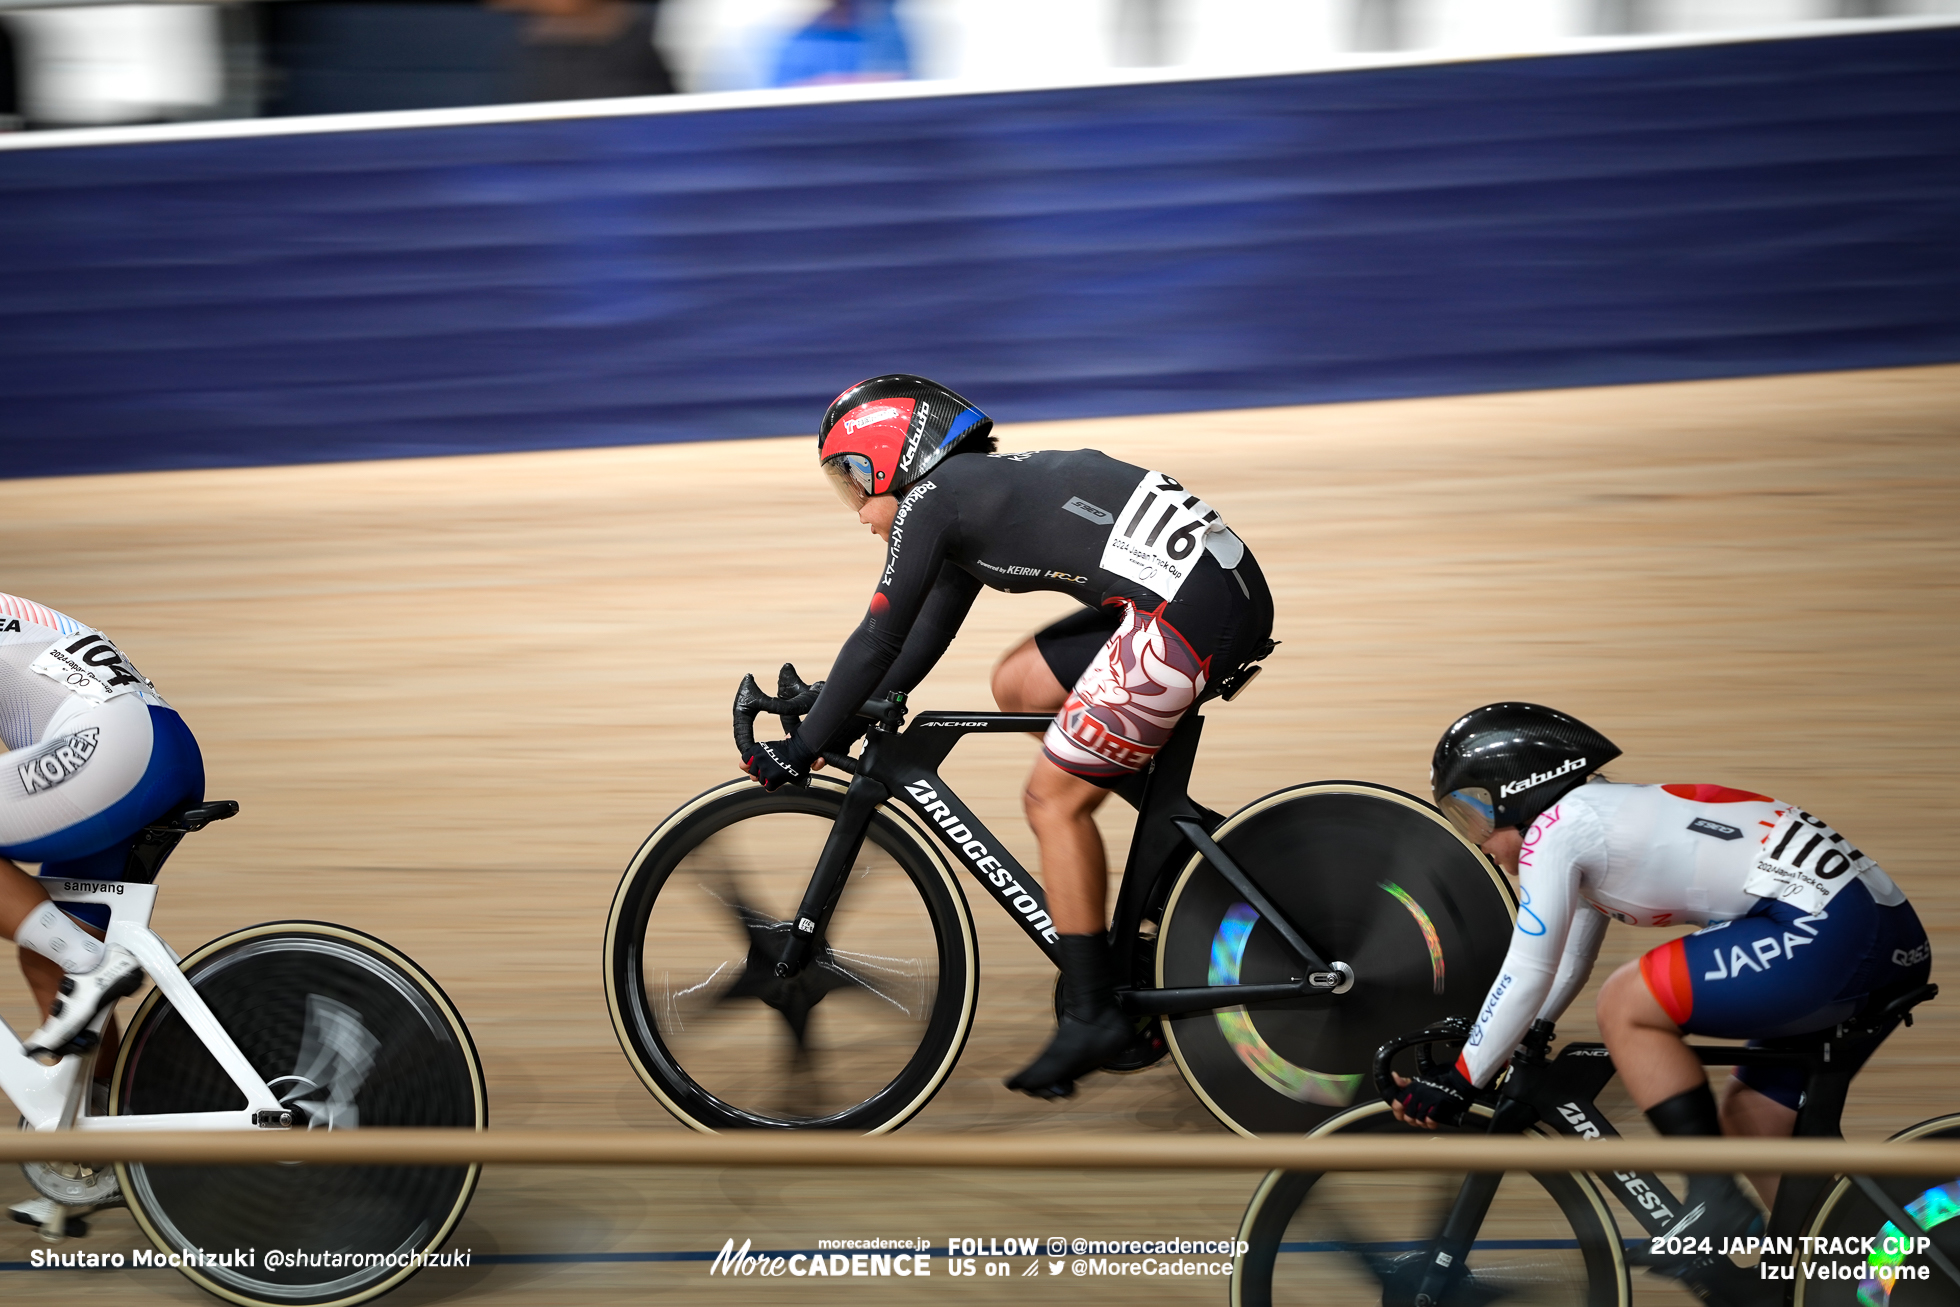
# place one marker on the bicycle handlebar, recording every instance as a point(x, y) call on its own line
point(1451, 1031)
point(792, 699)
point(750, 703)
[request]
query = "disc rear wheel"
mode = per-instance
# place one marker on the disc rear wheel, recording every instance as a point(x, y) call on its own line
point(1894, 1274)
point(349, 1034)
point(1371, 877)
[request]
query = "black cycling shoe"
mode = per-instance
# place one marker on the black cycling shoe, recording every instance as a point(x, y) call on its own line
point(1078, 1048)
point(1091, 1030)
point(1721, 1283)
point(1718, 1210)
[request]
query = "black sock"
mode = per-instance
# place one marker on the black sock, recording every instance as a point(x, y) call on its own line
point(1092, 1028)
point(1088, 980)
point(1692, 1113)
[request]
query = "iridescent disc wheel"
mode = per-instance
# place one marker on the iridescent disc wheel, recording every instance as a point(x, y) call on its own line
point(1897, 1272)
point(1369, 876)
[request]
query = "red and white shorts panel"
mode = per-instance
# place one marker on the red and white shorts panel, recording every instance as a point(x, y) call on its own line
point(1129, 699)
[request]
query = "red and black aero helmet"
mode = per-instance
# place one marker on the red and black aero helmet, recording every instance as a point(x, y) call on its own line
point(1504, 764)
point(883, 434)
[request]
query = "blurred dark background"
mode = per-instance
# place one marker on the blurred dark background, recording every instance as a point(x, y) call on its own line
point(82, 64)
point(369, 287)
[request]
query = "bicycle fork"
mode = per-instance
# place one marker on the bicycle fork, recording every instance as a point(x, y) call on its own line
point(840, 850)
point(1449, 1256)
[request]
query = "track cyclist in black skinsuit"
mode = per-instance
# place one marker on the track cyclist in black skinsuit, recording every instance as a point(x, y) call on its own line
point(1173, 609)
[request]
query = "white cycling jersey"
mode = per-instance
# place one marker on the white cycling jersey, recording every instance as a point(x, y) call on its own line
point(1648, 855)
point(52, 666)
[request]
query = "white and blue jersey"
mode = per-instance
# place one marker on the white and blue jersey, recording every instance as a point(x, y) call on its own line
point(93, 753)
point(1798, 926)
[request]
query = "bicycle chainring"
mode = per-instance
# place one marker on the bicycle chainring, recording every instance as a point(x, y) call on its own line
point(74, 1184)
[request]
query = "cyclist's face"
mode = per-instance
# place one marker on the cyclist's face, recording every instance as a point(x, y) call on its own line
point(877, 514)
point(1503, 846)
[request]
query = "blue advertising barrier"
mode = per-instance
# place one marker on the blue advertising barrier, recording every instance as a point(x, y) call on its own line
point(1633, 216)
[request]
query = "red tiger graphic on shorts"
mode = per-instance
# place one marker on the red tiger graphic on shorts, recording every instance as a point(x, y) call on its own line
point(1129, 699)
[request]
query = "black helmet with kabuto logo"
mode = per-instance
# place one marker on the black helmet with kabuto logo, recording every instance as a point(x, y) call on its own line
point(1505, 763)
point(883, 434)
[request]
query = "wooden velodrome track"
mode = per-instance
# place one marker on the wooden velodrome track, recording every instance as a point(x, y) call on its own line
point(453, 695)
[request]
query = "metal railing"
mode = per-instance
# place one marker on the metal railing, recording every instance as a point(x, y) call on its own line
point(988, 1152)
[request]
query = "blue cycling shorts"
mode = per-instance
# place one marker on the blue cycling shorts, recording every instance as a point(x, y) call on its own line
point(1781, 971)
point(77, 800)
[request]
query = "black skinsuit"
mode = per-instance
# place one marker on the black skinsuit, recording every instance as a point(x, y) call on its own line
point(1043, 521)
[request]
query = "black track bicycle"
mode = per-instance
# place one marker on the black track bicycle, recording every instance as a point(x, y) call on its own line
point(1460, 1241)
point(807, 959)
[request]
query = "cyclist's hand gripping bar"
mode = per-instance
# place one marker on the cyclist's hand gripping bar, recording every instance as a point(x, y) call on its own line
point(792, 699)
point(1452, 1031)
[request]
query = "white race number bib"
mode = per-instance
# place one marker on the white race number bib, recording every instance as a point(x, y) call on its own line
point(89, 665)
point(1805, 863)
point(1159, 535)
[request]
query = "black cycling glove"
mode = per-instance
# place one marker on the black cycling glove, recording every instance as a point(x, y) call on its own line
point(1441, 1096)
point(777, 763)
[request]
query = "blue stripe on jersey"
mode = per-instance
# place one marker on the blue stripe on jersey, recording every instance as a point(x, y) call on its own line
point(28, 610)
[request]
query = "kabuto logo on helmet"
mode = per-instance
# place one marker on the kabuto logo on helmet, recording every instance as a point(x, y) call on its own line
point(1539, 778)
point(1504, 764)
point(921, 416)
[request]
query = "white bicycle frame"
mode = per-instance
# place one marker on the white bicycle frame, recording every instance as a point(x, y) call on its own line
point(56, 1097)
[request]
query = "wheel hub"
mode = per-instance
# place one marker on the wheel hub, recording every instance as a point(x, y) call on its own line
point(795, 996)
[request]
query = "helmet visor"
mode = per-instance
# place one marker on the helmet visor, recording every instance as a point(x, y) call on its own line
point(1470, 810)
point(850, 477)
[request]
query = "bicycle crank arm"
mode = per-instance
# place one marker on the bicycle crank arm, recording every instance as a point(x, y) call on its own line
point(1210, 998)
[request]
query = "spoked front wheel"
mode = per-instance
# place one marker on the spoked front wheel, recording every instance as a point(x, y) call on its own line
point(350, 1035)
point(1364, 1237)
point(860, 1039)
